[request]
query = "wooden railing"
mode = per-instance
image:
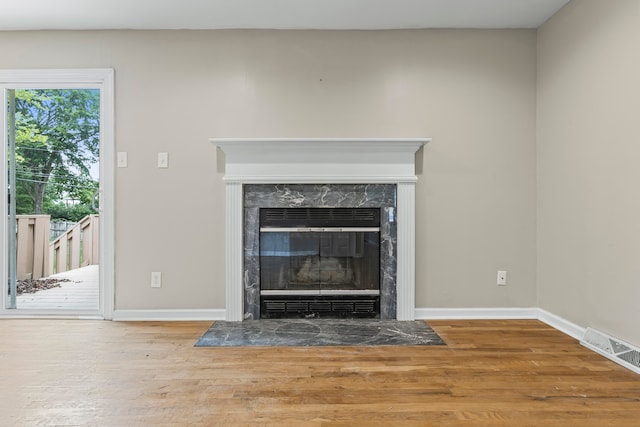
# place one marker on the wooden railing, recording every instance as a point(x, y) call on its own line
point(37, 258)
point(77, 247)
point(32, 240)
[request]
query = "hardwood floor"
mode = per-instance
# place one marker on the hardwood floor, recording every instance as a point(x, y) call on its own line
point(492, 373)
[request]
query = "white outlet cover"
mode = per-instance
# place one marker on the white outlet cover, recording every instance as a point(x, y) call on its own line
point(502, 277)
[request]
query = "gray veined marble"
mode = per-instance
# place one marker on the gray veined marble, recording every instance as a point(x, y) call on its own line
point(319, 195)
point(388, 245)
point(258, 196)
point(319, 332)
point(251, 277)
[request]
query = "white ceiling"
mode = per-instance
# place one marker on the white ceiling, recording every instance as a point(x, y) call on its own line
point(278, 14)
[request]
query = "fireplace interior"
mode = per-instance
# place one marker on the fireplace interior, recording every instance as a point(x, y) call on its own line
point(319, 262)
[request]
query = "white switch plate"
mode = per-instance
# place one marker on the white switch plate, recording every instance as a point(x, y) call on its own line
point(163, 160)
point(156, 279)
point(502, 277)
point(122, 159)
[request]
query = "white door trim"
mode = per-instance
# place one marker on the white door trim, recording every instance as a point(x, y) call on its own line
point(103, 79)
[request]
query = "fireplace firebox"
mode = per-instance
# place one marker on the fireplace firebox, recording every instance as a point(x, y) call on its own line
point(319, 262)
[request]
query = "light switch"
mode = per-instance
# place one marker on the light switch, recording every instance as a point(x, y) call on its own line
point(163, 160)
point(122, 159)
point(156, 279)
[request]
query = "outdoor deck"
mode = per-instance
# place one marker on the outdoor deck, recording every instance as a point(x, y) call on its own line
point(80, 293)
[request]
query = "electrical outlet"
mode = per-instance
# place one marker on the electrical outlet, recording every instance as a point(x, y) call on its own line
point(156, 279)
point(502, 278)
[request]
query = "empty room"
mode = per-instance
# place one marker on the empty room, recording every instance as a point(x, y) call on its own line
point(324, 213)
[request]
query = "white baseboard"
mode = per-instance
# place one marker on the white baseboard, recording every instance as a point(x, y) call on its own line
point(476, 313)
point(561, 324)
point(550, 319)
point(169, 315)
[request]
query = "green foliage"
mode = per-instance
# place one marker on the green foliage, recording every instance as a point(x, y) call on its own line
point(73, 213)
point(24, 203)
point(57, 141)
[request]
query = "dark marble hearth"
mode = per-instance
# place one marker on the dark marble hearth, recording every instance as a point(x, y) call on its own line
point(319, 332)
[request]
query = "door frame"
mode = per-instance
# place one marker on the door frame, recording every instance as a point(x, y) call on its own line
point(102, 79)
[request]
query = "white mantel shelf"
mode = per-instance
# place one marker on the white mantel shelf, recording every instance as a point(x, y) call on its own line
point(320, 160)
point(324, 161)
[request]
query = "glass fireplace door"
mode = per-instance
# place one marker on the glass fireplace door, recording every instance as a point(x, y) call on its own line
point(319, 261)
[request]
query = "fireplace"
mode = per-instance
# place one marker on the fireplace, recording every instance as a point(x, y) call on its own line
point(319, 262)
point(319, 173)
point(273, 213)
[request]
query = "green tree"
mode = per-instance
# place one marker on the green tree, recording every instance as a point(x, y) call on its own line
point(57, 141)
point(73, 213)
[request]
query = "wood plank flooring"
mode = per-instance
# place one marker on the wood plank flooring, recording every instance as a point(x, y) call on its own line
point(492, 373)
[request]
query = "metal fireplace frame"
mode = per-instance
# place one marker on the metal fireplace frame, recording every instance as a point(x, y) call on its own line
point(319, 262)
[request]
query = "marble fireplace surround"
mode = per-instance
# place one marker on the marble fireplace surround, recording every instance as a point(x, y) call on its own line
point(317, 162)
point(381, 196)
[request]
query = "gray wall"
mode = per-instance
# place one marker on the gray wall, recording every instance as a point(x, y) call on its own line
point(588, 148)
point(472, 91)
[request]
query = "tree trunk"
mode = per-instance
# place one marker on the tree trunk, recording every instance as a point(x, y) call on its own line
point(38, 196)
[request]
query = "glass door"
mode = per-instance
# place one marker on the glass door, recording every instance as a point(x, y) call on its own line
point(327, 262)
point(53, 182)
